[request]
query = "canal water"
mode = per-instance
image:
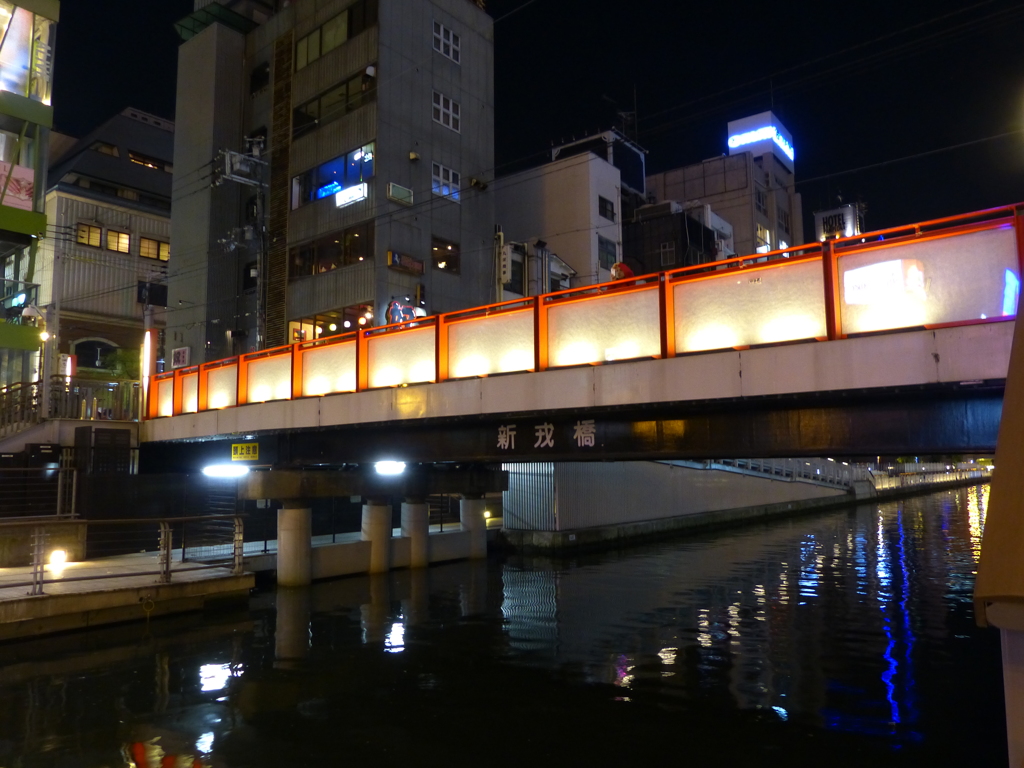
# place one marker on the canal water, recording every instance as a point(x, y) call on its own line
point(841, 638)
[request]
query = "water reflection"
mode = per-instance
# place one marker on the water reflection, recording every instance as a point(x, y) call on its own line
point(845, 635)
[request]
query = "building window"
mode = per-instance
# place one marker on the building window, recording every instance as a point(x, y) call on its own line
point(154, 249)
point(346, 25)
point(333, 176)
point(668, 254)
point(764, 239)
point(347, 97)
point(150, 162)
point(446, 42)
point(89, 235)
point(445, 255)
point(341, 249)
point(761, 201)
point(607, 252)
point(118, 241)
point(105, 149)
point(606, 208)
point(784, 220)
point(446, 111)
point(444, 182)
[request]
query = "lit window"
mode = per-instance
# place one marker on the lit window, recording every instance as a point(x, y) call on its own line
point(118, 241)
point(446, 42)
point(335, 175)
point(340, 100)
point(446, 112)
point(89, 235)
point(607, 252)
point(764, 239)
point(445, 255)
point(346, 25)
point(445, 182)
point(150, 162)
point(154, 249)
point(606, 208)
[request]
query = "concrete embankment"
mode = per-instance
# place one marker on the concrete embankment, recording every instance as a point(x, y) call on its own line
point(689, 500)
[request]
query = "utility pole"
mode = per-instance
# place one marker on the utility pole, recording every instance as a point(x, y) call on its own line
point(249, 169)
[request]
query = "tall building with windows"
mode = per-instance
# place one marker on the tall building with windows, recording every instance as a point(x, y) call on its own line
point(108, 205)
point(27, 32)
point(331, 156)
point(575, 203)
point(752, 188)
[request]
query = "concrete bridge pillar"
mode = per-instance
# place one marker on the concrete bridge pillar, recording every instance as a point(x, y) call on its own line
point(376, 529)
point(415, 528)
point(374, 616)
point(294, 545)
point(291, 635)
point(471, 515)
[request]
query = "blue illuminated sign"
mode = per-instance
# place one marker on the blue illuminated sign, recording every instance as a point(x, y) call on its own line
point(328, 189)
point(768, 132)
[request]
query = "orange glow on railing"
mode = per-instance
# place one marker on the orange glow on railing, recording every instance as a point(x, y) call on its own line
point(569, 303)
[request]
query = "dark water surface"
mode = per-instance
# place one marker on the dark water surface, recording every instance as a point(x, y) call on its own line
point(843, 638)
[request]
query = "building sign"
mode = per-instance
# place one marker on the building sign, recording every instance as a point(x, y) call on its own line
point(405, 263)
point(762, 134)
point(584, 435)
point(403, 313)
point(245, 451)
point(180, 357)
point(351, 195)
point(843, 221)
point(21, 188)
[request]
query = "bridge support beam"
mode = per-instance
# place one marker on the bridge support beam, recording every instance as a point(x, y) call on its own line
point(376, 529)
point(415, 528)
point(294, 545)
point(471, 515)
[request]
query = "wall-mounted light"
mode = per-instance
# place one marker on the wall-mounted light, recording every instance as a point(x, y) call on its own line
point(225, 470)
point(389, 467)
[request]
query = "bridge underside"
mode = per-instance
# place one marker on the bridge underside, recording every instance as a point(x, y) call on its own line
point(929, 419)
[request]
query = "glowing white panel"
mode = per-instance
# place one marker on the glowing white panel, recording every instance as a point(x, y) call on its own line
point(270, 379)
point(190, 393)
point(330, 368)
point(616, 326)
point(165, 397)
point(739, 309)
point(406, 357)
point(495, 344)
point(221, 387)
point(973, 276)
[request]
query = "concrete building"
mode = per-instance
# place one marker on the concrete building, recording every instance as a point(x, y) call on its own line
point(364, 132)
point(108, 203)
point(575, 203)
point(27, 32)
point(753, 188)
point(664, 236)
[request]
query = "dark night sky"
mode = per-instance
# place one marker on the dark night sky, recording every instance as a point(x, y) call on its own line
point(856, 84)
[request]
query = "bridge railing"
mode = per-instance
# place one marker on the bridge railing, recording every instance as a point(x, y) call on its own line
point(956, 271)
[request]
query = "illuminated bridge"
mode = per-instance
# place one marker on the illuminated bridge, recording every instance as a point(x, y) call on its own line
point(893, 342)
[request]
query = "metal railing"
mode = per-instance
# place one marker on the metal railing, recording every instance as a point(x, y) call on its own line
point(79, 398)
point(20, 407)
point(41, 531)
point(37, 491)
point(884, 481)
point(825, 471)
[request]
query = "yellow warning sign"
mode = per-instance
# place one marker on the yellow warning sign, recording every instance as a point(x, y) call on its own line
point(245, 451)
